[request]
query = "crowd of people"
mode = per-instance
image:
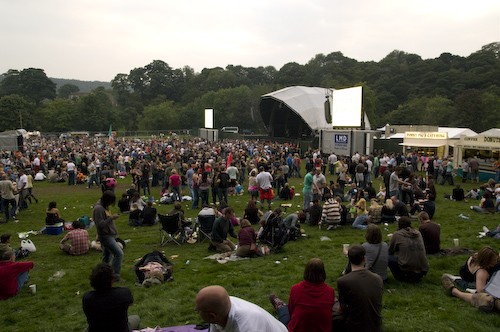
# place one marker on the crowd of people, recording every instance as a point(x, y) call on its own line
point(211, 173)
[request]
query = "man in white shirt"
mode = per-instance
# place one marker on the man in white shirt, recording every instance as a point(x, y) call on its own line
point(319, 184)
point(71, 169)
point(264, 180)
point(22, 183)
point(232, 314)
point(332, 159)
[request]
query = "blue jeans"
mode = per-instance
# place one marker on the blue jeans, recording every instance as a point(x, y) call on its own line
point(196, 197)
point(71, 178)
point(284, 315)
point(110, 248)
point(360, 222)
point(22, 278)
point(307, 200)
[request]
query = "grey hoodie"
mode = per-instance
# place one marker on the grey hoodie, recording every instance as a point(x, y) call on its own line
point(407, 244)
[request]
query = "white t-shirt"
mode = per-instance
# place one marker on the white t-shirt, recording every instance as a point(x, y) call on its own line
point(264, 180)
point(22, 179)
point(245, 316)
point(71, 166)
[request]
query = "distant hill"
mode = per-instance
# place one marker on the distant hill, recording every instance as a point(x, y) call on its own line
point(85, 86)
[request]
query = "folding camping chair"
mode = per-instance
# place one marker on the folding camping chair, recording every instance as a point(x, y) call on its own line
point(170, 231)
point(204, 227)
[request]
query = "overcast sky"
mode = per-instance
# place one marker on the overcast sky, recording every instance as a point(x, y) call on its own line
point(97, 39)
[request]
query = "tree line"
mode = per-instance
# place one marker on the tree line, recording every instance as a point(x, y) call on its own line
point(402, 88)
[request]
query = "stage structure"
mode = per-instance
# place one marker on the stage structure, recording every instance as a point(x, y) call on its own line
point(332, 120)
point(209, 133)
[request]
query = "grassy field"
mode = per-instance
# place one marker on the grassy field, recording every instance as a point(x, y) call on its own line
point(57, 304)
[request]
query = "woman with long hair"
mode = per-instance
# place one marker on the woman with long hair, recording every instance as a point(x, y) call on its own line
point(310, 303)
point(107, 232)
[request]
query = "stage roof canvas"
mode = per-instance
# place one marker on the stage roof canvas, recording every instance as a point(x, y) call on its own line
point(296, 112)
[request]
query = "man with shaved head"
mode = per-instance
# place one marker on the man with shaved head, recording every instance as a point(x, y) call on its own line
point(231, 314)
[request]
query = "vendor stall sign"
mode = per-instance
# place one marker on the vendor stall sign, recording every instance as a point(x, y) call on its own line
point(425, 135)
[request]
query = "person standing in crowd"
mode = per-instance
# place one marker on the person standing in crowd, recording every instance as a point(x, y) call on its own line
point(107, 232)
point(22, 190)
point(360, 296)
point(71, 169)
point(175, 185)
point(264, 183)
point(307, 190)
point(7, 198)
point(222, 185)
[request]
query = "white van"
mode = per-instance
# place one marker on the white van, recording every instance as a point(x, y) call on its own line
point(234, 130)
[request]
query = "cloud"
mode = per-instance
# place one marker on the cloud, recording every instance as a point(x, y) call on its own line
point(95, 40)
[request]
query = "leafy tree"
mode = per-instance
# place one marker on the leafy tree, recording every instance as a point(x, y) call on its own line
point(59, 115)
point(160, 117)
point(30, 83)
point(95, 111)
point(16, 112)
point(66, 90)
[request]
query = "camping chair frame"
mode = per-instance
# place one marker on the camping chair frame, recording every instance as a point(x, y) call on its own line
point(204, 226)
point(170, 231)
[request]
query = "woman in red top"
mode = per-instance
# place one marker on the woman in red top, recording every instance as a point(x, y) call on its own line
point(311, 301)
point(175, 185)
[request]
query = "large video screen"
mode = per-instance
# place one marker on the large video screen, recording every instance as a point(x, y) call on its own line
point(346, 107)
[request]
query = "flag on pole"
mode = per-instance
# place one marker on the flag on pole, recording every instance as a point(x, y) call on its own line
point(110, 135)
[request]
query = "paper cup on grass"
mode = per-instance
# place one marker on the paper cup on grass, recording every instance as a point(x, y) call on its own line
point(33, 289)
point(456, 242)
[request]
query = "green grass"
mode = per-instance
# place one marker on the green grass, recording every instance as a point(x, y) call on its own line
point(57, 304)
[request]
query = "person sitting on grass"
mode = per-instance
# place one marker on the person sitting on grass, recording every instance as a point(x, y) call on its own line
point(79, 238)
point(231, 314)
point(52, 215)
point(221, 228)
point(330, 215)
point(149, 214)
point(106, 307)
point(252, 212)
point(310, 303)
point(360, 295)
point(5, 246)
point(134, 217)
point(13, 275)
point(407, 259)
point(431, 233)
point(487, 205)
point(483, 267)
point(123, 204)
point(247, 238)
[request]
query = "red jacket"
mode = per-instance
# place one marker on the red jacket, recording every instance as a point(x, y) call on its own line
point(310, 306)
point(9, 271)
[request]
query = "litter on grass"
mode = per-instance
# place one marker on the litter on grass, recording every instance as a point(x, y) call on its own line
point(57, 276)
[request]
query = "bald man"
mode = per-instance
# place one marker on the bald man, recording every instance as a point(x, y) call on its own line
point(231, 314)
